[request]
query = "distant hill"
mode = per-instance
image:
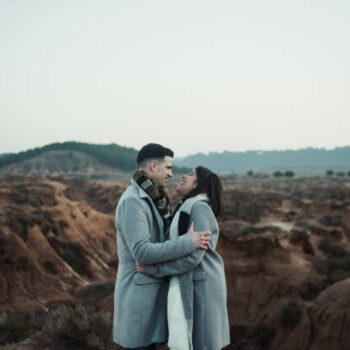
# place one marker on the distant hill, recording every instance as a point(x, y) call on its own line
point(4, 154)
point(73, 159)
point(313, 159)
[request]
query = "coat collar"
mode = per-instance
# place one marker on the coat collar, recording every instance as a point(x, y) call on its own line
point(144, 195)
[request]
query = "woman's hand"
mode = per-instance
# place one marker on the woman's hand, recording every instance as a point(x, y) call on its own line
point(140, 268)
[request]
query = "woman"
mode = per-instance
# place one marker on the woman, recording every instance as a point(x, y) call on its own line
point(197, 313)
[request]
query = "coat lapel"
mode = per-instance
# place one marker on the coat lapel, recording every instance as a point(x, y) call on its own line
point(155, 212)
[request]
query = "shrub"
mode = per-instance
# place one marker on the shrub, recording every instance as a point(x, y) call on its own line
point(332, 250)
point(298, 236)
point(335, 269)
point(301, 236)
point(80, 326)
point(289, 173)
point(96, 291)
point(253, 230)
point(329, 172)
point(40, 216)
point(290, 314)
point(14, 327)
point(336, 191)
point(19, 226)
point(317, 230)
point(303, 224)
point(337, 234)
point(277, 174)
point(62, 224)
point(331, 220)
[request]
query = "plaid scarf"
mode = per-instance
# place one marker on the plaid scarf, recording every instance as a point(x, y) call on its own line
point(159, 195)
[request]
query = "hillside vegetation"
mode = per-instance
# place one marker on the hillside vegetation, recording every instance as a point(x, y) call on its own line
point(74, 159)
point(112, 155)
point(268, 161)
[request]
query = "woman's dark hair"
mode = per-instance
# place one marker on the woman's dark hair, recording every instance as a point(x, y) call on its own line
point(209, 183)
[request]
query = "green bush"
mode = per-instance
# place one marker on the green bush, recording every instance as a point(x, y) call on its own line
point(331, 220)
point(277, 174)
point(14, 327)
point(335, 269)
point(80, 326)
point(332, 250)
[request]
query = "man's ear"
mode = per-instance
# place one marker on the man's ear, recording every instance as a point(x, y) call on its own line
point(153, 165)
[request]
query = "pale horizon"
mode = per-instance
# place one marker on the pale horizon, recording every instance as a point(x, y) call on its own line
point(197, 76)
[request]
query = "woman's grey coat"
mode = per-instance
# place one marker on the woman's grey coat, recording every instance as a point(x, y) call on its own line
point(140, 301)
point(210, 320)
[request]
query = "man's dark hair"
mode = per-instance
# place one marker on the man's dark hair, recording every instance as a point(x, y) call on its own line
point(209, 183)
point(153, 151)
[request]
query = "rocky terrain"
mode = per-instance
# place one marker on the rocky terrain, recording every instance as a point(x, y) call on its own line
point(287, 255)
point(56, 236)
point(285, 244)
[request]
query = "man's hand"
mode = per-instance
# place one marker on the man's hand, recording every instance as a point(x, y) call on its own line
point(200, 239)
point(139, 268)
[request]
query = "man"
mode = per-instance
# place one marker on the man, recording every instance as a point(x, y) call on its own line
point(140, 301)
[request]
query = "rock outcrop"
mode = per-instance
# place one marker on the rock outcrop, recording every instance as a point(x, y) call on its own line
point(51, 245)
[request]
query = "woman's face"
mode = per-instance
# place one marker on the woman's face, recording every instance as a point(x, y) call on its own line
point(187, 184)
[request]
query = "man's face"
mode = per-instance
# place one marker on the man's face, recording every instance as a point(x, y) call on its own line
point(162, 171)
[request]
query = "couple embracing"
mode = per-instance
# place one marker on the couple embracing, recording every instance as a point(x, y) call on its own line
point(170, 285)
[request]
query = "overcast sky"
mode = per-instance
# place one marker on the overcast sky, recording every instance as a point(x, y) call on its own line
point(194, 75)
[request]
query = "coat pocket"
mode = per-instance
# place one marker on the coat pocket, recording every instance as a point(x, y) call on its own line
point(198, 275)
point(141, 278)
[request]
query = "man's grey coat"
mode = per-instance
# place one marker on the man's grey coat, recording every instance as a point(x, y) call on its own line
point(210, 320)
point(140, 301)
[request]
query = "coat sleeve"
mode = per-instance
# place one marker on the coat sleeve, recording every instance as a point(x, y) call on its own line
point(136, 234)
point(204, 220)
